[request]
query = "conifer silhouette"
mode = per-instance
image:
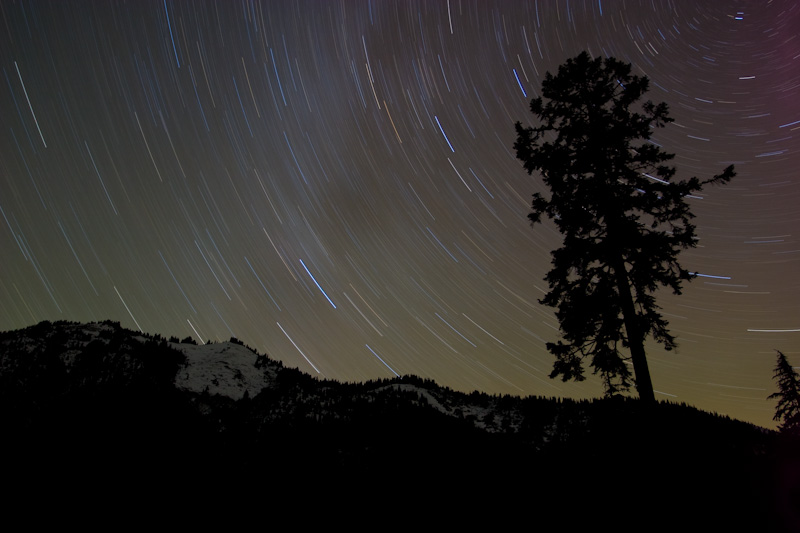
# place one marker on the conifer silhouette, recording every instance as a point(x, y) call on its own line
point(788, 395)
point(623, 219)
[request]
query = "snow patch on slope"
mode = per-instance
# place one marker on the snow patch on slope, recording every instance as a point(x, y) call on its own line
point(224, 368)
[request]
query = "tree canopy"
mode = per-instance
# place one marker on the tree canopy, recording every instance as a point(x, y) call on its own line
point(623, 217)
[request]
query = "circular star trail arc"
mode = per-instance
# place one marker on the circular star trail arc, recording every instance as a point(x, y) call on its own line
point(334, 182)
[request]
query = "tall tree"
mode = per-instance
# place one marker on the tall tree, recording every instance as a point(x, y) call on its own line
point(623, 218)
point(788, 395)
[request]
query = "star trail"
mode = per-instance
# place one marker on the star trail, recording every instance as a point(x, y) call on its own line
point(334, 183)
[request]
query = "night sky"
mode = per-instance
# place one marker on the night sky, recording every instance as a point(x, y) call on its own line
point(334, 183)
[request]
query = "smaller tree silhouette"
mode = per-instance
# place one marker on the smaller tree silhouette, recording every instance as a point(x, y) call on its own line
point(788, 395)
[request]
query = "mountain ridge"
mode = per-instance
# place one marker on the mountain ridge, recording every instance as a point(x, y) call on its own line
point(140, 402)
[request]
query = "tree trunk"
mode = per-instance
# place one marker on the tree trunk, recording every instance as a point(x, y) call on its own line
point(644, 386)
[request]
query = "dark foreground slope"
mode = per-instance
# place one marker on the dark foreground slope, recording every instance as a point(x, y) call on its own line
point(98, 406)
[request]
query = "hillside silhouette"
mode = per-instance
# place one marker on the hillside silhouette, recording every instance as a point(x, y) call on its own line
point(128, 412)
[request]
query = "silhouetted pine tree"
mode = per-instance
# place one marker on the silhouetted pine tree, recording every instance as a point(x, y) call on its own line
point(788, 395)
point(623, 220)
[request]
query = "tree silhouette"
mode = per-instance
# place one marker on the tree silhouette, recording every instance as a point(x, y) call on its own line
point(788, 395)
point(623, 220)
